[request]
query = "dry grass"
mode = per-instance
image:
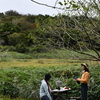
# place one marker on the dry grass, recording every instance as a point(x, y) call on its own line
point(29, 63)
point(33, 63)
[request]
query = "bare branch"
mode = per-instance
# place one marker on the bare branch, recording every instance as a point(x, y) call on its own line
point(89, 55)
point(80, 58)
point(55, 3)
point(48, 5)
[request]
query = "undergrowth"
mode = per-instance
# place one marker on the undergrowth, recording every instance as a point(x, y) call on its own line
point(25, 83)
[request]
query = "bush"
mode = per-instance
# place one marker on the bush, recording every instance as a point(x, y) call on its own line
point(11, 48)
point(40, 48)
point(17, 38)
point(3, 48)
point(21, 48)
point(14, 39)
point(17, 55)
point(4, 56)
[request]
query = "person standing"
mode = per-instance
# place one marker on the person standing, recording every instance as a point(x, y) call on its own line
point(84, 80)
point(45, 89)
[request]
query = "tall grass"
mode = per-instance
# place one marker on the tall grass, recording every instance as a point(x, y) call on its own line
point(25, 82)
point(59, 54)
point(21, 76)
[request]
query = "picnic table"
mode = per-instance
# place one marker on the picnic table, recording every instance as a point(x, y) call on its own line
point(61, 94)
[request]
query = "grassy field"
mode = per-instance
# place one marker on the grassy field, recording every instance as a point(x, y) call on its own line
point(29, 63)
point(10, 62)
point(54, 58)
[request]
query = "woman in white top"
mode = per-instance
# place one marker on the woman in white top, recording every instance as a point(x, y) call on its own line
point(45, 88)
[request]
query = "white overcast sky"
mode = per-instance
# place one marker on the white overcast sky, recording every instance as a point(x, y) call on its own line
point(28, 7)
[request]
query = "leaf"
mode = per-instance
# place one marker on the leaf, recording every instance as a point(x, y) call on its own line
point(71, 2)
point(85, 8)
point(68, 7)
point(75, 6)
point(60, 3)
point(65, 3)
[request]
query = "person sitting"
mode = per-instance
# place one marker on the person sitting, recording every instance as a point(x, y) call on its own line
point(45, 90)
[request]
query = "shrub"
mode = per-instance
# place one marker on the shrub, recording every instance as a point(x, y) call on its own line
point(17, 38)
point(14, 39)
point(25, 82)
point(40, 48)
point(21, 48)
point(17, 55)
point(11, 48)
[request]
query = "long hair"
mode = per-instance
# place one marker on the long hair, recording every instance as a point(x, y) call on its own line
point(85, 67)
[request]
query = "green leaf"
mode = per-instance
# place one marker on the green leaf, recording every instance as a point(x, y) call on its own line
point(71, 2)
point(68, 7)
point(60, 3)
point(75, 6)
point(85, 8)
point(65, 3)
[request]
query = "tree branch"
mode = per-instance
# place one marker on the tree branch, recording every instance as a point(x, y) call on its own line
point(55, 3)
point(48, 5)
point(88, 55)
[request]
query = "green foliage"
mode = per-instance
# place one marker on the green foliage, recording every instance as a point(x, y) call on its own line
point(16, 55)
point(7, 56)
point(57, 53)
point(21, 48)
point(1, 15)
point(4, 57)
point(44, 33)
point(31, 18)
point(7, 26)
point(24, 25)
point(13, 39)
point(17, 38)
point(39, 49)
point(60, 3)
point(25, 82)
point(12, 13)
point(11, 48)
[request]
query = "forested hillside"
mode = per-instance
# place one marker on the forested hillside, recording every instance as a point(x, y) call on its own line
point(40, 33)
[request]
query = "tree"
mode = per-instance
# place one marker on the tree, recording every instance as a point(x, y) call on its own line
point(31, 18)
point(17, 38)
point(82, 30)
point(12, 13)
point(1, 15)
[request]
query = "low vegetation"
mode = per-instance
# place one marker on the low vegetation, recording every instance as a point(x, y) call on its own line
point(21, 78)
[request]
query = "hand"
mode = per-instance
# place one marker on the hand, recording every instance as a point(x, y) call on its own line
point(77, 79)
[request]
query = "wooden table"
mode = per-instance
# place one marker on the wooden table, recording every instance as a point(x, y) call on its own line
point(61, 94)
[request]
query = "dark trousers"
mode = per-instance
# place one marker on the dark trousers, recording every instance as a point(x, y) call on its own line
point(84, 89)
point(45, 98)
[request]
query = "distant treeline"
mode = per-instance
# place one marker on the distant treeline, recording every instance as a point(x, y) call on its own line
point(44, 32)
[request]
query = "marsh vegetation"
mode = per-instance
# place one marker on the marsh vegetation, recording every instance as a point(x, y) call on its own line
point(21, 75)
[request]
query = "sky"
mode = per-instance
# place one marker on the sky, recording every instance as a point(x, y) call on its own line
point(29, 7)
